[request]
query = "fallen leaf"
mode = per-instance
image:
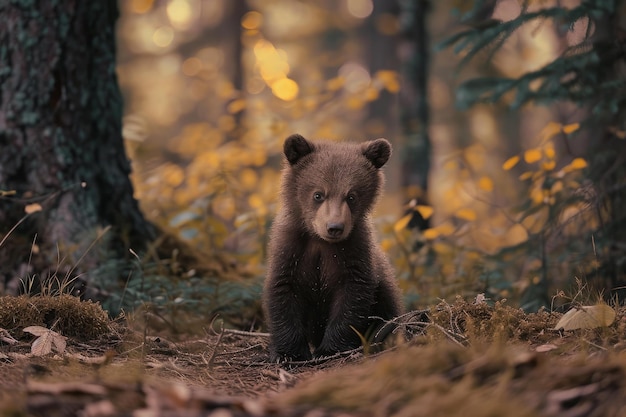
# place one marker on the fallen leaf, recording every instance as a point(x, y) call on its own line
point(546, 348)
point(32, 208)
point(587, 317)
point(46, 340)
point(6, 337)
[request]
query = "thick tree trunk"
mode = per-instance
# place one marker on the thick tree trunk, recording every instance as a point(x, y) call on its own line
point(414, 54)
point(60, 138)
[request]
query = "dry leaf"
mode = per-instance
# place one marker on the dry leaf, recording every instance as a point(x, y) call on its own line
point(46, 340)
point(6, 337)
point(510, 163)
point(587, 317)
point(546, 348)
point(32, 208)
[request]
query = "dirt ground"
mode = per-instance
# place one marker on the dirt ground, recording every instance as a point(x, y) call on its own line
point(455, 359)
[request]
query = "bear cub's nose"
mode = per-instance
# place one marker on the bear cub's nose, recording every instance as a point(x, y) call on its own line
point(334, 229)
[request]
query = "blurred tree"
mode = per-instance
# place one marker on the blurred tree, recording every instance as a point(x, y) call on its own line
point(589, 73)
point(63, 168)
point(414, 53)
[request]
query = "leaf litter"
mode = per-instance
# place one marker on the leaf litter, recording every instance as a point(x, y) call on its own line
point(454, 359)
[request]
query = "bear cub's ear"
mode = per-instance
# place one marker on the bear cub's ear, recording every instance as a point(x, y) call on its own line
point(296, 147)
point(377, 151)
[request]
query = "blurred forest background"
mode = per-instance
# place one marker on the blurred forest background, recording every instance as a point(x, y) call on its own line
point(506, 117)
point(213, 87)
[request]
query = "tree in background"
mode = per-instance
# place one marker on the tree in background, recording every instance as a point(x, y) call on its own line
point(591, 74)
point(63, 169)
point(414, 53)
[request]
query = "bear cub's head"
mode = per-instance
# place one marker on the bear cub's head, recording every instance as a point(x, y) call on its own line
point(332, 187)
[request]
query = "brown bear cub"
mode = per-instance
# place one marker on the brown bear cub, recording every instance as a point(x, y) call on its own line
point(327, 278)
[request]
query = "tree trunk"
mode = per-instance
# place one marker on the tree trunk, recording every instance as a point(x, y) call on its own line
point(414, 53)
point(61, 143)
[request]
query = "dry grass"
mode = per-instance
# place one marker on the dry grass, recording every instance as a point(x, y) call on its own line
point(457, 359)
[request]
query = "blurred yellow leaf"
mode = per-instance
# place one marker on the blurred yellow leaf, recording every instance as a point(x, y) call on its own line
point(431, 233)
point(389, 80)
point(532, 155)
point(548, 165)
point(485, 183)
point(248, 178)
point(285, 89)
point(4, 193)
point(172, 174)
point(251, 20)
point(32, 208)
point(549, 151)
point(567, 129)
point(587, 317)
point(556, 187)
point(444, 229)
point(371, 94)
point(578, 163)
point(466, 214)
point(355, 103)
point(526, 175)
point(550, 130)
point(515, 235)
point(386, 244)
point(424, 211)
point(402, 223)
point(510, 163)
point(335, 84)
point(236, 106)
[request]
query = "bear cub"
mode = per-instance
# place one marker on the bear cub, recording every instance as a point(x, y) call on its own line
point(327, 277)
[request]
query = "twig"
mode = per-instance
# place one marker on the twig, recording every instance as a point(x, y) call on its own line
point(217, 344)
point(245, 333)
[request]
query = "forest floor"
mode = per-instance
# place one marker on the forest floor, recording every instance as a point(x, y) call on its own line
point(455, 359)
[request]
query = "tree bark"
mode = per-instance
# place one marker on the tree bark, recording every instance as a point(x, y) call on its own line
point(414, 51)
point(61, 143)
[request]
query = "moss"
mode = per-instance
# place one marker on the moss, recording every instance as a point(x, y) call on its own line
point(82, 320)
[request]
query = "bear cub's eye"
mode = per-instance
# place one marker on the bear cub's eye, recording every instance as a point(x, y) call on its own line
point(351, 198)
point(318, 197)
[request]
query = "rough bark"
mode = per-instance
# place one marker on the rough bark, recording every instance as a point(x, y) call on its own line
point(414, 110)
point(60, 138)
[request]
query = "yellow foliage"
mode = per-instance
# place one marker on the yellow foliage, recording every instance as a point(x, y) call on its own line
point(402, 223)
point(526, 175)
point(285, 89)
point(552, 129)
point(252, 20)
point(173, 175)
point(424, 211)
point(141, 6)
point(532, 155)
point(576, 164)
point(485, 184)
point(515, 235)
point(335, 84)
point(389, 79)
point(466, 214)
point(510, 163)
point(444, 229)
point(556, 187)
point(571, 128)
point(548, 165)
point(236, 106)
point(248, 178)
point(371, 94)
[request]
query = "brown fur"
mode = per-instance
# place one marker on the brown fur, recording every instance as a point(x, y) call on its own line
point(326, 275)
